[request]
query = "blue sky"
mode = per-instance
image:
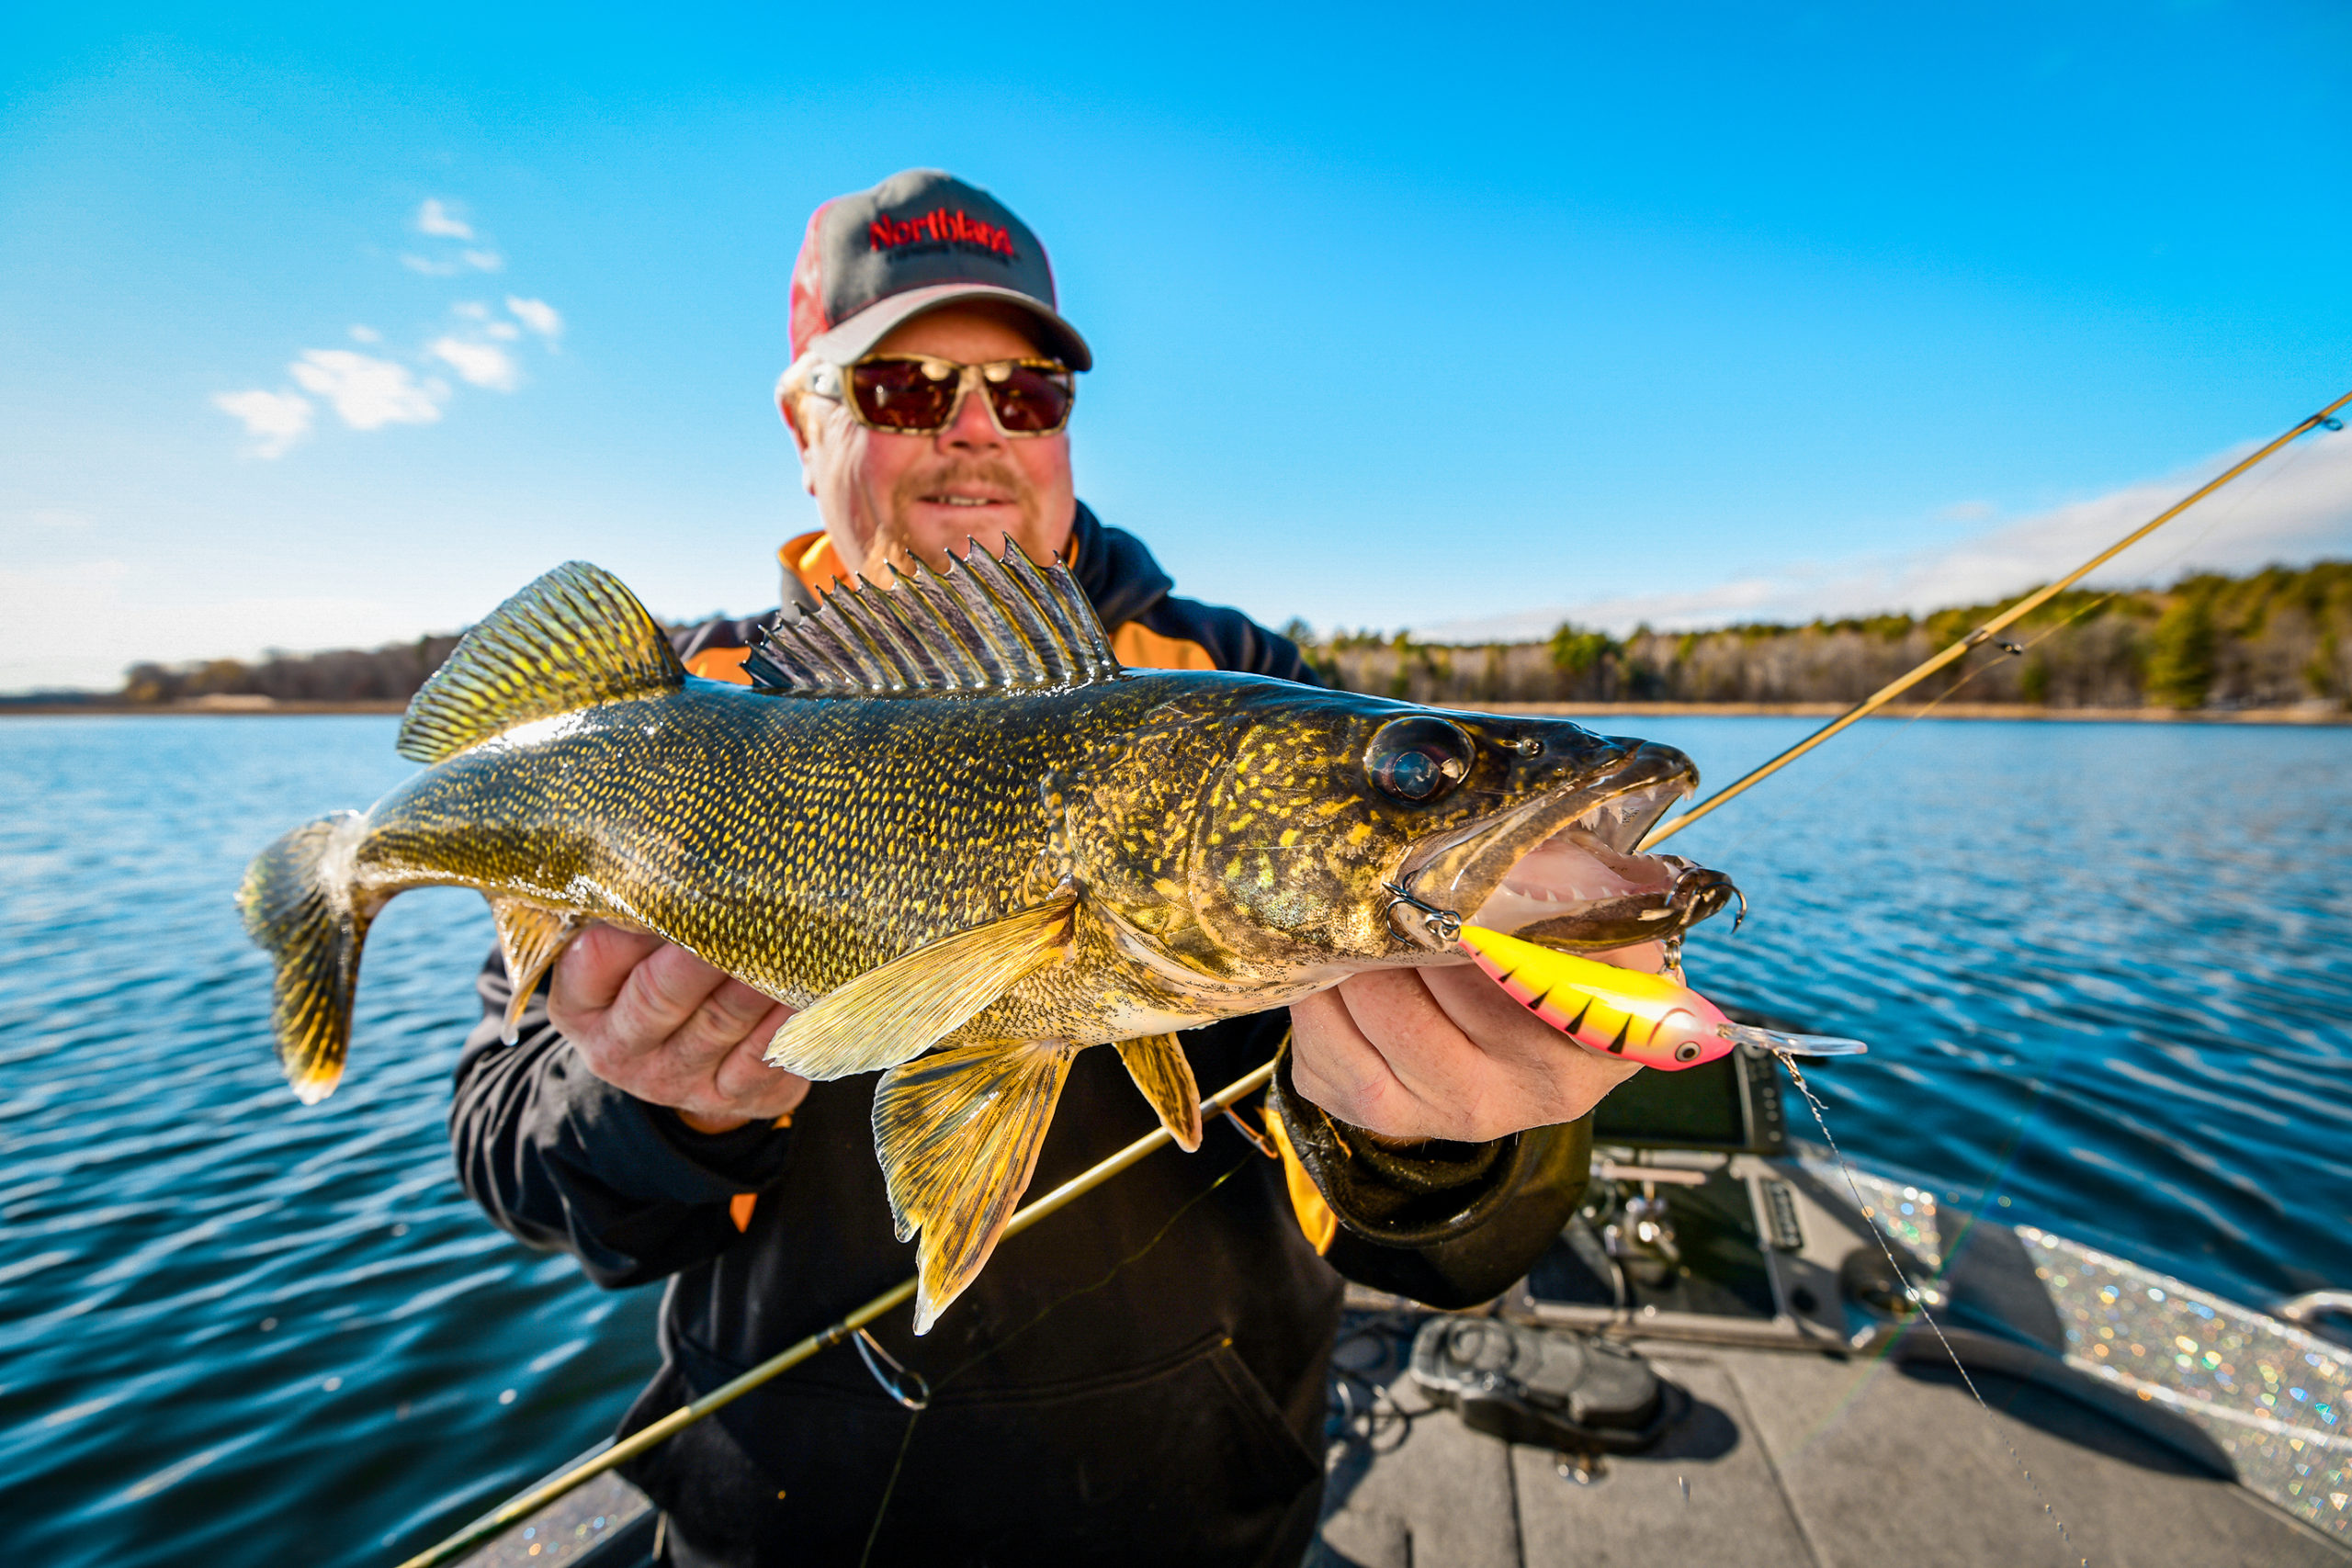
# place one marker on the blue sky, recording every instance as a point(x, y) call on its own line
point(1467, 322)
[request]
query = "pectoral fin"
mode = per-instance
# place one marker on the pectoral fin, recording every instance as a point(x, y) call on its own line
point(1158, 1065)
point(895, 1013)
point(530, 936)
point(958, 1133)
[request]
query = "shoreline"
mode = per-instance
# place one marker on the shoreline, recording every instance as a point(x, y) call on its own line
point(2323, 717)
point(233, 707)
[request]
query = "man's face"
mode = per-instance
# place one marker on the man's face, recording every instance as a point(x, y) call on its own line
point(886, 496)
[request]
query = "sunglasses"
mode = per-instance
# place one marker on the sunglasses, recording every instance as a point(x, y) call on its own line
point(918, 395)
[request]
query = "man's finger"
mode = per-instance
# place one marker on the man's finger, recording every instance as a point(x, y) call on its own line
point(1337, 1067)
point(1423, 1044)
point(595, 964)
point(664, 992)
point(745, 1075)
point(1547, 1074)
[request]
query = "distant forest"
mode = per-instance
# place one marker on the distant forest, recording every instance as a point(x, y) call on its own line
point(2277, 638)
point(2274, 639)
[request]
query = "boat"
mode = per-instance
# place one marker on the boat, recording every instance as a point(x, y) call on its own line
point(1743, 1350)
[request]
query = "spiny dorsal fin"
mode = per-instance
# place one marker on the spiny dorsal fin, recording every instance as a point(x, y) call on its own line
point(984, 624)
point(572, 639)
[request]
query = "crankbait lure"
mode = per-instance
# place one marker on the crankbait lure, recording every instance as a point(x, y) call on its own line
point(1624, 1012)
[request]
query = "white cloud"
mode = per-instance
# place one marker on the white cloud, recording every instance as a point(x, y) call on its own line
point(369, 393)
point(432, 217)
point(472, 309)
point(366, 335)
point(505, 331)
point(485, 364)
point(275, 419)
point(2295, 509)
point(1969, 512)
point(55, 519)
point(475, 261)
point(538, 315)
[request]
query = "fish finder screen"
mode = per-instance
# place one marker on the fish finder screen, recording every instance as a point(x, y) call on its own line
point(1731, 1103)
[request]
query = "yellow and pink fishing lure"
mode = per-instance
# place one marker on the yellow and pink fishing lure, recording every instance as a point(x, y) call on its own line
point(1624, 1012)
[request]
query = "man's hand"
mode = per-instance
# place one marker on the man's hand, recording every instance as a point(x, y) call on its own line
point(1445, 1054)
point(655, 1021)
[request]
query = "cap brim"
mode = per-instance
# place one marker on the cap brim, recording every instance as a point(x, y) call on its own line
point(854, 339)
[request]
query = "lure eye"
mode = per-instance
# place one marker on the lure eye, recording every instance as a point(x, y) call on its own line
point(1416, 760)
point(1687, 1051)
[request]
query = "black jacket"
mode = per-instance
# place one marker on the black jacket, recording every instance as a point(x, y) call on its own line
point(1140, 1377)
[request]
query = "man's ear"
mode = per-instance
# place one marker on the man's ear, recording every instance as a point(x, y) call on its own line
point(784, 406)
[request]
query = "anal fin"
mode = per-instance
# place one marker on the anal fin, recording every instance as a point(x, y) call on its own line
point(1158, 1065)
point(958, 1133)
point(530, 936)
point(895, 1013)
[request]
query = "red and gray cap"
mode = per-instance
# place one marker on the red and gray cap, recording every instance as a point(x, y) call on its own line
point(918, 241)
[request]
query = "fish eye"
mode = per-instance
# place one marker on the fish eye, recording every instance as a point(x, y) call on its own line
point(1416, 760)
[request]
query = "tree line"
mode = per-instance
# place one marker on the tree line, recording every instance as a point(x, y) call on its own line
point(2275, 638)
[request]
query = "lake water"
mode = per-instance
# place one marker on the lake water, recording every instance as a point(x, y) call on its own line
point(2105, 970)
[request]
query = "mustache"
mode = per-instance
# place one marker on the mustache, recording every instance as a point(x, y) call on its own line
point(998, 473)
point(893, 542)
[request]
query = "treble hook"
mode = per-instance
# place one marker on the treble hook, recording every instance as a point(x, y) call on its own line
point(1714, 879)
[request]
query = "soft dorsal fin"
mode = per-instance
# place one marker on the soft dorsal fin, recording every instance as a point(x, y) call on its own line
point(572, 639)
point(984, 624)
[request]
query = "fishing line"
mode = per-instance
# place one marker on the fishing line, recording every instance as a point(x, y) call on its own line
point(1912, 1293)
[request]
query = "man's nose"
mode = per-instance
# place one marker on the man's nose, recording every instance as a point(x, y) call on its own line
point(972, 426)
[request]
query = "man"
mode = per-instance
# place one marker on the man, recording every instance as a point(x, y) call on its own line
point(1142, 1377)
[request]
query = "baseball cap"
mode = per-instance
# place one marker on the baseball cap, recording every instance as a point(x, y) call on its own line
point(920, 240)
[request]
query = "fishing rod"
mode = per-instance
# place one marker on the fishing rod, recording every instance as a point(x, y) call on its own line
point(685, 1415)
point(1991, 628)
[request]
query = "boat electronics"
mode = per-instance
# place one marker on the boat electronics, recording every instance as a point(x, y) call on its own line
point(1731, 1104)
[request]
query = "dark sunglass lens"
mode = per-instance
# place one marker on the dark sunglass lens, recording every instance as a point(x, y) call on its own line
point(1030, 401)
point(898, 394)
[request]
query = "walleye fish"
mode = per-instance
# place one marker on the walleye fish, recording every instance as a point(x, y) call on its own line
point(949, 828)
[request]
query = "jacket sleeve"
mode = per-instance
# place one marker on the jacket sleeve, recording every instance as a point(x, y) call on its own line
point(1448, 1225)
point(562, 1159)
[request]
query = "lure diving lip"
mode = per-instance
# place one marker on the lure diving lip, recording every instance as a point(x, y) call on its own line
point(1625, 1013)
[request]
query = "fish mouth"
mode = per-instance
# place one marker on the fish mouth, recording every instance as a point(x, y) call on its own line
point(1564, 871)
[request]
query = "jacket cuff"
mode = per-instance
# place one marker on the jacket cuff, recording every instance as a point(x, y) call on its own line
point(1397, 1195)
point(746, 1159)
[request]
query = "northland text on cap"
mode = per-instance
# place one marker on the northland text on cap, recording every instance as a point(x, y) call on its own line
point(918, 241)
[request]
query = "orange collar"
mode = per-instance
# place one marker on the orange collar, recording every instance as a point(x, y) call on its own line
point(812, 558)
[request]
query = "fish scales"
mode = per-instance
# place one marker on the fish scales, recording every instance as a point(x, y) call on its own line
point(963, 849)
point(848, 830)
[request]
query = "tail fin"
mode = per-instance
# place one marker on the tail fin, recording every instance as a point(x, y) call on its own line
point(296, 904)
point(958, 1132)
